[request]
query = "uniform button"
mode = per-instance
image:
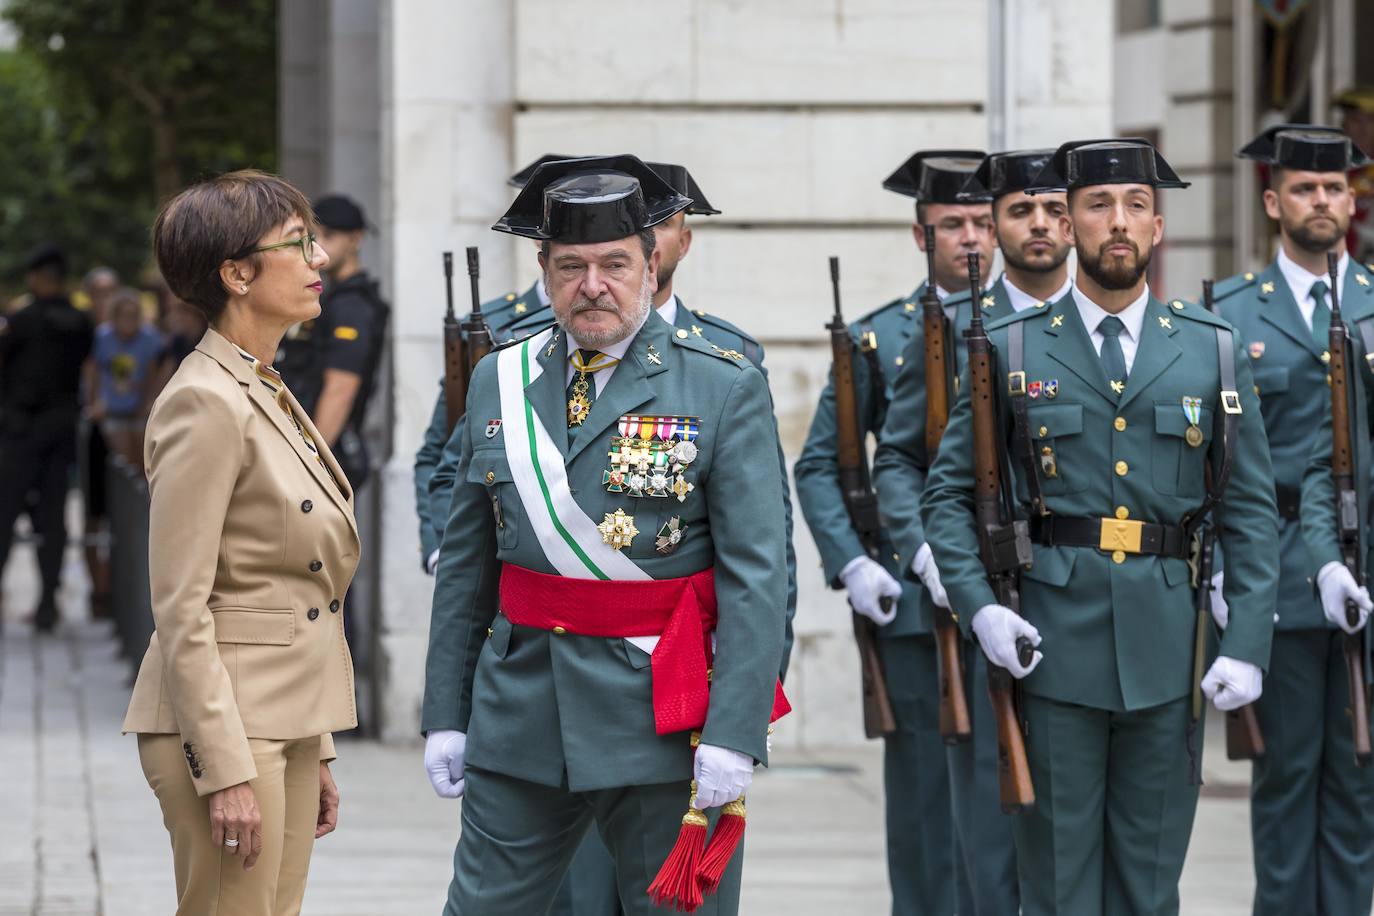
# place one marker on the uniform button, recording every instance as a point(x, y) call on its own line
point(316, 566)
point(1120, 424)
point(681, 334)
point(491, 476)
point(1118, 556)
point(312, 613)
point(1123, 512)
point(307, 506)
point(559, 631)
point(1121, 468)
point(1044, 431)
point(334, 606)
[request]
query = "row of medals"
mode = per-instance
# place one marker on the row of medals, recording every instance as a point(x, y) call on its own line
point(651, 467)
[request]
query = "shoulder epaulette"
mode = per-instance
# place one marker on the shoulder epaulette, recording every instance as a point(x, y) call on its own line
point(1232, 285)
point(905, 303)
point(702, 345)
point(1038, 310)
point(724, 325)
point(1197, 312)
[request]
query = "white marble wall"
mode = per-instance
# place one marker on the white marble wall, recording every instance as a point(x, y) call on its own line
point(789, 113)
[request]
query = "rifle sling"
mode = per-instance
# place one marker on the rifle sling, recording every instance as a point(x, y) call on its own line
point(868, 346)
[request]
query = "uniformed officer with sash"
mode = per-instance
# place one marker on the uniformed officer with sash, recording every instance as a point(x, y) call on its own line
point(1034, 253)
point(1105, 470)
point(922, 863)
point(1311, 807)
point(614, 547)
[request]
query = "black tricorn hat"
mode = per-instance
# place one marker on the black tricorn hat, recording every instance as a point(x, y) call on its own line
point(1127, 160)
point(1005, 173)
point(522, 177)
point(1305, 147)
point(936, 176)
point(595, 199)
point(683, 182)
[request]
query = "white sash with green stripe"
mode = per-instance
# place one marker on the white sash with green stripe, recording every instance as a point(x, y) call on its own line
point(567, 535)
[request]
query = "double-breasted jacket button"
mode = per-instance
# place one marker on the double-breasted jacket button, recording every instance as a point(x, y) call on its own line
point(316, 566)
point(307, 506)
point(312, 613)
point(334, 606)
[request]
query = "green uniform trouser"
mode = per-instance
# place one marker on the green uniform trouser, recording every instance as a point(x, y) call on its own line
point(519, 838)
point(589, 888)
point(920, 831)
point(1113, 809)
point(1311, 808)
point(987, 846)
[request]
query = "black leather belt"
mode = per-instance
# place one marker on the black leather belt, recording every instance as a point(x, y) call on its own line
point(1290, 502)
point(1110, 534)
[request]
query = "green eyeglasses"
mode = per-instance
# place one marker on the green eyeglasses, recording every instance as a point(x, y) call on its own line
point(305, 243)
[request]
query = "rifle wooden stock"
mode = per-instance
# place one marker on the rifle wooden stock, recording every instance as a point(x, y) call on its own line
point(1244, 740)
point(1013, 768)
point(956, 726)
point(455, 358)
point(1348, 515)
point(862, 506)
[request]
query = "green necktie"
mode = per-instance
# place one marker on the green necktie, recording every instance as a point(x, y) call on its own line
point(1113, 360)
point(1321, 314)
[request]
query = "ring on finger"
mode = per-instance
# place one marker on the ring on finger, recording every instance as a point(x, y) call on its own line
point(231, 842)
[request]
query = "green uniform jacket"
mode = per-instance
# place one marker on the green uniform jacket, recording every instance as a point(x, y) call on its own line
point(499, 312)
point(900, 464)
point(1290, 378)
point(546, 708)
point(1117, 636)
point(697, 323)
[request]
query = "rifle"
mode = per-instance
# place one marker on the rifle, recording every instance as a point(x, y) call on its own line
point(862, 505)
point(455, 358)
point(1347, 513)
point(1004, 543)
point(475, 330)
point(955, 725)
point(1244, 740)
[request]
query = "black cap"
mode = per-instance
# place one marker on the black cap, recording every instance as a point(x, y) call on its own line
point(1005, 173)
point(936, 176)
point(1084, 163)
point(683, 183)
point(335, 211)
point(1305, 147)
point(522, 177)
point(596, 199)
point(46, 256)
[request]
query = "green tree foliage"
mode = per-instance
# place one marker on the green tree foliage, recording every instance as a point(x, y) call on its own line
point(120, 103)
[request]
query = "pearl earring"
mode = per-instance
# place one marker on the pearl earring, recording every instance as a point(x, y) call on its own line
point(243, 288)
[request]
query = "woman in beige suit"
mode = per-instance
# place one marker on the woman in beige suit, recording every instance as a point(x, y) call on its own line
point(252, 544)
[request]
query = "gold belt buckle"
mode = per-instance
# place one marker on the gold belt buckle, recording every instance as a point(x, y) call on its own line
point(1121, 534)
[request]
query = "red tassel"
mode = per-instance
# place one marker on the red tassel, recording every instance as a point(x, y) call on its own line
point(725, 839)
point(676, 884)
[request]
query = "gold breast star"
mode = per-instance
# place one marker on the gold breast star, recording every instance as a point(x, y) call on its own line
point(1118, 387)
point(1266, 287)
point(1057, 321)
point(618, 530)
point(1165, 323)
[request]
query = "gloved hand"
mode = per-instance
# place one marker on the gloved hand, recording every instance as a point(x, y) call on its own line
point(1231, 683)
point(722, 775)
point(432, 561)
point(998, 628)
point(923, 565)
point(1337, 586)
point(867, 583)
point(1220, 612)
point(444, 751)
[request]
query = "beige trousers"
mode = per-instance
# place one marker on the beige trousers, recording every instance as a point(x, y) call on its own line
point(210, 881)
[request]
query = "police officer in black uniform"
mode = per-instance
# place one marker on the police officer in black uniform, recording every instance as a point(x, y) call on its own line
point(331, 363)
point(42, 349)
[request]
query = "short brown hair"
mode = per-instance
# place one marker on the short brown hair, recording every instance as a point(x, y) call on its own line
point(218, 220)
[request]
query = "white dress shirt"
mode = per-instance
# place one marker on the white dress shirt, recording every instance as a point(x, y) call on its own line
point(1133, 317)
point(668, 310)
point(1020, 301)
point(1300, 282)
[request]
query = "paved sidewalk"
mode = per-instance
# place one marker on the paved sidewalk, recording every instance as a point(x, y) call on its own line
point(82, 834)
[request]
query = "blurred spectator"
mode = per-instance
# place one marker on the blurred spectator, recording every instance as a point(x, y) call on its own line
point(99, 284)
point(97, 287)
point(122, 373)
point(42, 349)
point(1357, 120)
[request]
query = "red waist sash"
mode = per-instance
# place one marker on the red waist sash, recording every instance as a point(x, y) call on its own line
point(680, 612)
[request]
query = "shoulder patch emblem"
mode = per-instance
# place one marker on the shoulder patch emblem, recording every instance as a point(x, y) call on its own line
point(343, 332)
point(731, 354)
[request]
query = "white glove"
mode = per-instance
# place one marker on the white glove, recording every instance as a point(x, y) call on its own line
point(722, 775)
point(444, 751)
point(1231, 683)
point(432, 562)
point(1337, 586)
point(1220, 612)
point(998, 628)
point(924, 566)
point(867, 583)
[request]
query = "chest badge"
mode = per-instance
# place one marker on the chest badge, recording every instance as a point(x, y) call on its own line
point(1266, 287)
point(1192, 409)
point(1052, 388)
point(618, 529)
point(670, 536)
point(1057, 321)
point(493, 427)
point(1033, 389)
point(1256, 349)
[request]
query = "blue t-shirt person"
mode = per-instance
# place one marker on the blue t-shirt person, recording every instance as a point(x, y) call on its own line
point(123, 364)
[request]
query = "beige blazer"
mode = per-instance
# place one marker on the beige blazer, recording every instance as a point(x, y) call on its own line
point(251, 548)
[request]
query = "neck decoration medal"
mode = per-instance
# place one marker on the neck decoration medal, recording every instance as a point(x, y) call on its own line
point(1192, 409)
point(580, 404)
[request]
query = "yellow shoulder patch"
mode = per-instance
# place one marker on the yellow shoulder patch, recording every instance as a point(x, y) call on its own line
point(343, 332)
